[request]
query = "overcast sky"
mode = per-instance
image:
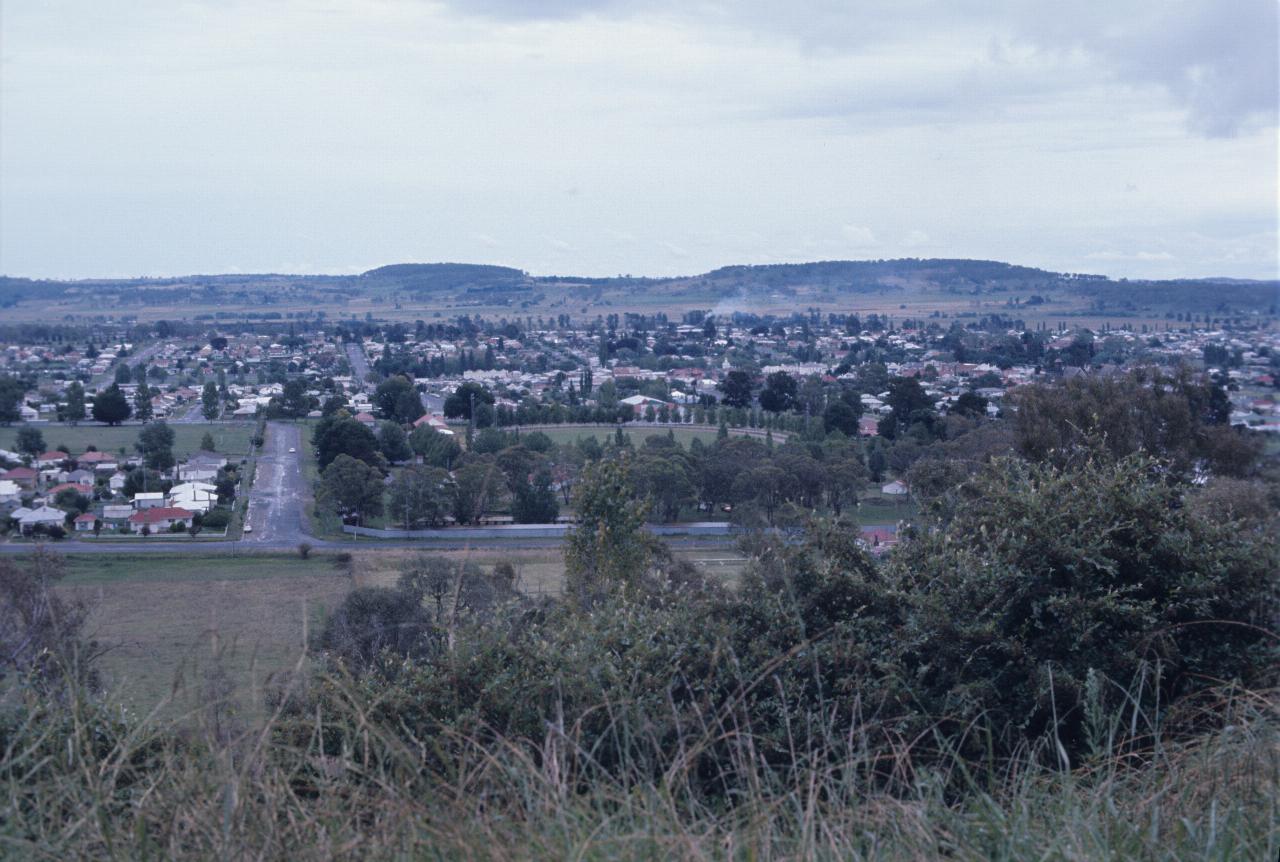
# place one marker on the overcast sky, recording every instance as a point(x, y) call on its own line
point(596, 137)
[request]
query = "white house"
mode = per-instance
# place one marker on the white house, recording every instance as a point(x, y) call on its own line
point(148, 500)
point(193, 496)
point(46, 515)
point(9, 491)
point(895, 488)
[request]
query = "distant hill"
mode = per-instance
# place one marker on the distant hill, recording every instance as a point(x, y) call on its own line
point(422, 278)
point(910, 277)
point(819, 281)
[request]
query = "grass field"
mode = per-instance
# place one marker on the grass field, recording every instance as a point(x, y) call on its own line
point(229, 439)
point(169, 620)
point(878, 509)
point(684, 436)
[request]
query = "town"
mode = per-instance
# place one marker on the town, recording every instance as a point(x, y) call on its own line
point(848, 407)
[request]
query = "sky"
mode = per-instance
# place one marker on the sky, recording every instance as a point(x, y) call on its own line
point(600, 137)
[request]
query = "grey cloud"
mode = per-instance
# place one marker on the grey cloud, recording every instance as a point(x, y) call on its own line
point(1219, 61)
point(1216, 60)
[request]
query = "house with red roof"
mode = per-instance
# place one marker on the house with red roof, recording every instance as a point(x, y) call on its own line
point(24, 476)
point(84, 523)
point(97, 461)
point(159, 518)
point(78, 487)
point(51, 459)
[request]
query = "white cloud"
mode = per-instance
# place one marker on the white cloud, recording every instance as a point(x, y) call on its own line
point(915, 239)
point(859, 236)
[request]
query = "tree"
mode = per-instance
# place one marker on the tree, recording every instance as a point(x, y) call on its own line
point(69, 499)
point(841, 416)
point(736, 388)
point(75, 410)
point(970, 404)
point(779, 392)
point(209, 406)
point(110, 406)
point(393, 443)
point(207, 444)
point(474, 487)
point(373, 621)
point(155, 444)
point(608, 547)
point(11, 392)
point(123, 374)
point(910, 404)
point(142, 409)
point(1049, 577)
point(1175, 418)
point(30, 441)
point(397, 400)
point(436, 449)
point(350, 486)
point(667, 482)
point(295, 402)
point(459, 403)
point(341, 435)
point(419, 496)
point(843, 477)
point(141, 479)
point(535, 503)
point(762, 487)
point(333, 404)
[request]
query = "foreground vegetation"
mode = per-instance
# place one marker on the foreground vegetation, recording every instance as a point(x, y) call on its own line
point(1072, 656)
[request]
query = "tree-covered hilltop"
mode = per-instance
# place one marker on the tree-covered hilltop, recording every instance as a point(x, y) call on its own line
point(447, 277)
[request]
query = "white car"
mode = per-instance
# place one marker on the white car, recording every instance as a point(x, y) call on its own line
point(248, 528)
point(292, 450)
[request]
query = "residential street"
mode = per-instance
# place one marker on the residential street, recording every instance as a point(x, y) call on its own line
point(275, 502)
point(359, 365)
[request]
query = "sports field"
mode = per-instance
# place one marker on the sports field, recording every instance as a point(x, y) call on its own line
point(229, 439)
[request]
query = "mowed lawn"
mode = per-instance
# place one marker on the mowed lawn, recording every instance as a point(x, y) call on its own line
point(229, 439)
point(638, 433)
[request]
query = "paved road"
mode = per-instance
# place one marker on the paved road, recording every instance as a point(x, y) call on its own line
point(359, 364)
point(276, 499)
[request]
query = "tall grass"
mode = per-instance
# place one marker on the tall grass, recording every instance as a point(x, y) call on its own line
point(83, 778)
